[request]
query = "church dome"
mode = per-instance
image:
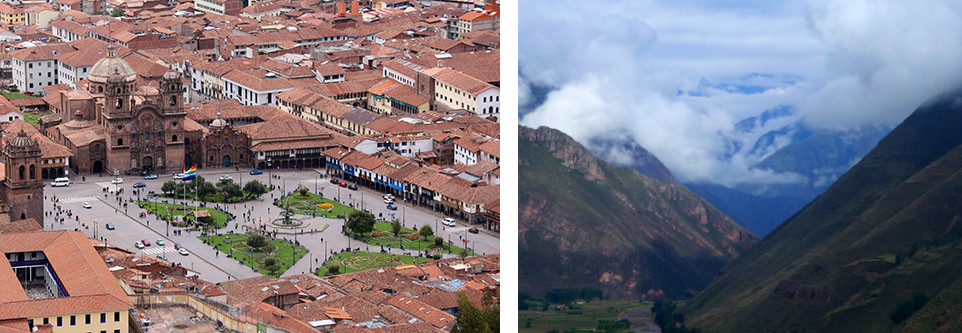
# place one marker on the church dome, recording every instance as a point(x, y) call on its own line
point(171, 75)
point(104, 68)
point(219, 122)
point(22, 140)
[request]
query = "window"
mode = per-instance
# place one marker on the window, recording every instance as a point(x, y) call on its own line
point(120, 142)
point(120, 127)
point(21, 172)
point(73, 320)
point(30, 65)
point(117, 317)
point(103, 317)
point(174, 124)
point(33, 172)
point(46, 321)
point(146, 136)
point(174, 139)
point(87, 319)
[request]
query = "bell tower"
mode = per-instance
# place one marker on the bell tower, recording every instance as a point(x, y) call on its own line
point(22, 187)
point(172, 91)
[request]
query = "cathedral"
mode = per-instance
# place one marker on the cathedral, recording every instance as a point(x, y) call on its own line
point(22, 187)
point(120, 125)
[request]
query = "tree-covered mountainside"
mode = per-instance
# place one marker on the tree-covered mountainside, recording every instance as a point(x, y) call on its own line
point(880, 250)
point(586, 223)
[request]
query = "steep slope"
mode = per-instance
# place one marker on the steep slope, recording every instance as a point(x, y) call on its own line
point(627, 153)
point(585, 223)
point(886, 231)
point(759, 214)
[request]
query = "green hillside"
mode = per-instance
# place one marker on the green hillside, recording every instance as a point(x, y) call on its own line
point(856, 258)
point(585, 223)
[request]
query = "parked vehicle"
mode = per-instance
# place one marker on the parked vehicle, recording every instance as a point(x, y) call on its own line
point(352, 187)
point(59, 182)
point(140, 184)
point(343, 184)
point(117, 181)
point(448, 222)
point(110, 226)
point(226, 177)
point(392, 206)
point(389, 201)
point(179, 176)
point(473, 230)
point(334, 181)
point(256, 172)
point(388, 196)
point(150, 177)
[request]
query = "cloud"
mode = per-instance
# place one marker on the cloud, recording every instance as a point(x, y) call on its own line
point(677, 76)
point(885, 59)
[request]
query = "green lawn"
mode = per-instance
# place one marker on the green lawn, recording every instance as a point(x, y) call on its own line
point(306, 205)
point(365, 261)
point(414, 245)
point(13, 95)
point(235, 245)
point(160, 209)
point(33, 118)
point(577, 318)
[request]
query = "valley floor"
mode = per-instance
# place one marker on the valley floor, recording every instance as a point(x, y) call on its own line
point(585, 317)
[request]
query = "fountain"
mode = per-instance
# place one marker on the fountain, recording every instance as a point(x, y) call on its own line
point(286, 221)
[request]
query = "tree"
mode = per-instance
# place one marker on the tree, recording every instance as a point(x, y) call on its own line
point(396, 228)
point(254, 188)
point(229, 189)
point(271, 264)
point(302, 191)
point(426, 231)
point(471, 319)
point(117, 12)
point(14, 88)
point(268, 248)
point(439, 242)
point(169, 186)
point(334, 269)
point(204, 188)
point(360, 222)
point(256, 241)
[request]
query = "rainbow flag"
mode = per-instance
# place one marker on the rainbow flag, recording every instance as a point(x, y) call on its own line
point(190, 174)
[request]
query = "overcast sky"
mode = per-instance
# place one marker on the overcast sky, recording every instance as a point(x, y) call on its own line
point(662, 72)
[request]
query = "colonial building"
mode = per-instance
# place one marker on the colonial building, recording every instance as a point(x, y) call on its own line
point(117, 126)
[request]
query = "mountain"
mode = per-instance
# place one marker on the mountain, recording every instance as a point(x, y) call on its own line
point(759, 214)
point(586, 223)
point(625, 152)
point(880, 243)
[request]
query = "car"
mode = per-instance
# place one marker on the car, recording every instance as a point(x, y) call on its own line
point(334, 181)
point(117, 181)
point(448, 222)
point(150, 177)
point(60, 182)
point(140, 184)
point(183, 251)
point(352, 187)
point(87, 205)
point(473, 230)
point(160, 242)
point(392, 206)
point(256, 172)
point(177, 246)
point(145, 242)
point(139, 245)
point(389, 201)
point(179, 176)
point(226, 177)
point(110, 226)
point(342, 184)
point(388, 196)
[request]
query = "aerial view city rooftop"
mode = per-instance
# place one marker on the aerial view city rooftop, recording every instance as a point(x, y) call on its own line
point(250, 166)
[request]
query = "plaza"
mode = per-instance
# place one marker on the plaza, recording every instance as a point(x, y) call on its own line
point(320, 235)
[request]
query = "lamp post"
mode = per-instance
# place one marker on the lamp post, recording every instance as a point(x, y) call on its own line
point(270, 176)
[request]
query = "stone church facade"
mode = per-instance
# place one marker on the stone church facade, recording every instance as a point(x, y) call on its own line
point(116, 125)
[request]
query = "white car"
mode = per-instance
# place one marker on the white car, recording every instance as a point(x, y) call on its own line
point(226, 177)
point(183, 251)
point(389, 197)
point(139, 245)
point(87, 205)
point(449, 222)
point(117, 181)
point(388, 201)
point(179, 176)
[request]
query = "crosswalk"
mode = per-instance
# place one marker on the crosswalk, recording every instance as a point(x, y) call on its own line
point(110, 187)
point(77, 200)
point(159, 250)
